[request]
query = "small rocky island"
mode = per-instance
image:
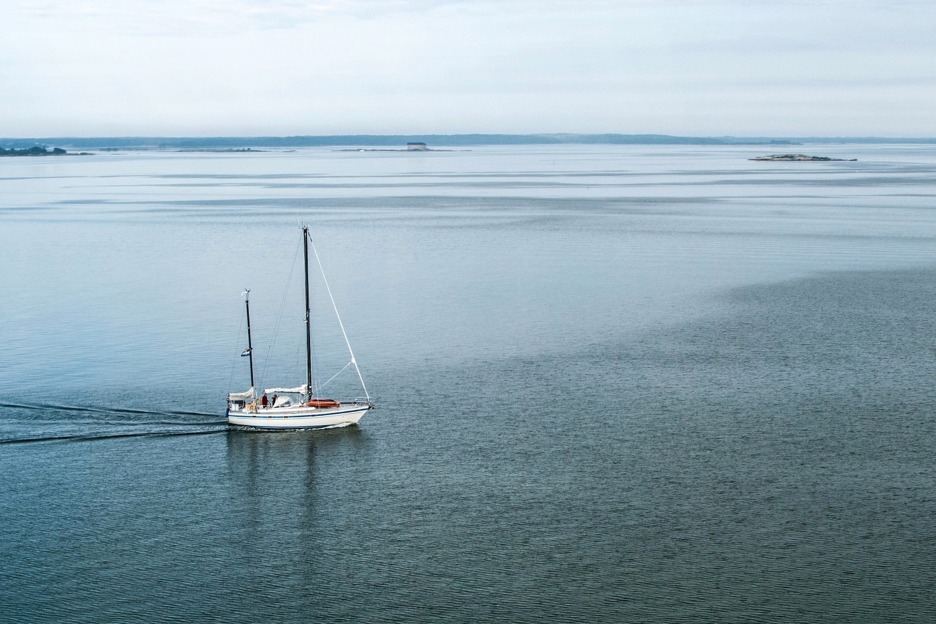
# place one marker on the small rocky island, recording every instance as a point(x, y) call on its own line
point(33, 151)
point(802, 157)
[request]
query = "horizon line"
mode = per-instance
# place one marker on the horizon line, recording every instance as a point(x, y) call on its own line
point(473, 138)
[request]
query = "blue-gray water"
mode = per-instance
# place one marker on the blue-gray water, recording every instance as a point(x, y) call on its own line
point(615, 384)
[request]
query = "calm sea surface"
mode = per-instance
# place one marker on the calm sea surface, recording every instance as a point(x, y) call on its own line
point(614, 384)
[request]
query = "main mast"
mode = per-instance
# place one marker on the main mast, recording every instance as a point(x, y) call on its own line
point(305, 250)
point(249, 343)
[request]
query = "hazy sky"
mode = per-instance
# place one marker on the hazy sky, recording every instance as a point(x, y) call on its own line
point(287, 67)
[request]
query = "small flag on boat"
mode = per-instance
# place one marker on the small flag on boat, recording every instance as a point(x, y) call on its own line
point(246, 352)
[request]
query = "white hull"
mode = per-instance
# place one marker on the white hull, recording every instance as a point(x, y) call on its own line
point(299, 417)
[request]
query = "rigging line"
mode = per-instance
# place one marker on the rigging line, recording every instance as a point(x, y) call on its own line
point(279, 317)
point(338, 316)
point(299, 360)
point(335, 375)
point(240, 324)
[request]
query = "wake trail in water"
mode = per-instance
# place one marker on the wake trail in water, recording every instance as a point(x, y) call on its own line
point(112, 436)
point(101, 410)
point(25, 423)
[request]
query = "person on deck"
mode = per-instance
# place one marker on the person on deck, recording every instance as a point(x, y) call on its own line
point(263, 401)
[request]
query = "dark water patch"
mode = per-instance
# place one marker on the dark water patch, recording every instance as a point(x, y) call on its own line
point(427, 204)
point(855, 181)
point(245, 176)
point(770, 463)
point(25, 210)
point(390, 208)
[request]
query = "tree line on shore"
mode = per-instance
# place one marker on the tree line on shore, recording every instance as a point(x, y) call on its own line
point(33, 151)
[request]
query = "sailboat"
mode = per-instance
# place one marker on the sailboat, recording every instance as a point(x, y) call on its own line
point(296, 407)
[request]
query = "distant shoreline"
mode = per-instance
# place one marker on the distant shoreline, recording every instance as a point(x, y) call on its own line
point(802, 158)
point(30, 152)
point(37, 151)
point(370, 141)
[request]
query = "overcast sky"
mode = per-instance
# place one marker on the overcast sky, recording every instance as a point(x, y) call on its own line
point(288, 67)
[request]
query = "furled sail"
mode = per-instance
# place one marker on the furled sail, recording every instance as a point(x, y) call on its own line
point(303, 389)
point(242, 396)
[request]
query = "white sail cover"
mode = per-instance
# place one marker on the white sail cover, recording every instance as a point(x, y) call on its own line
point(303, 389)
point(242, 396)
